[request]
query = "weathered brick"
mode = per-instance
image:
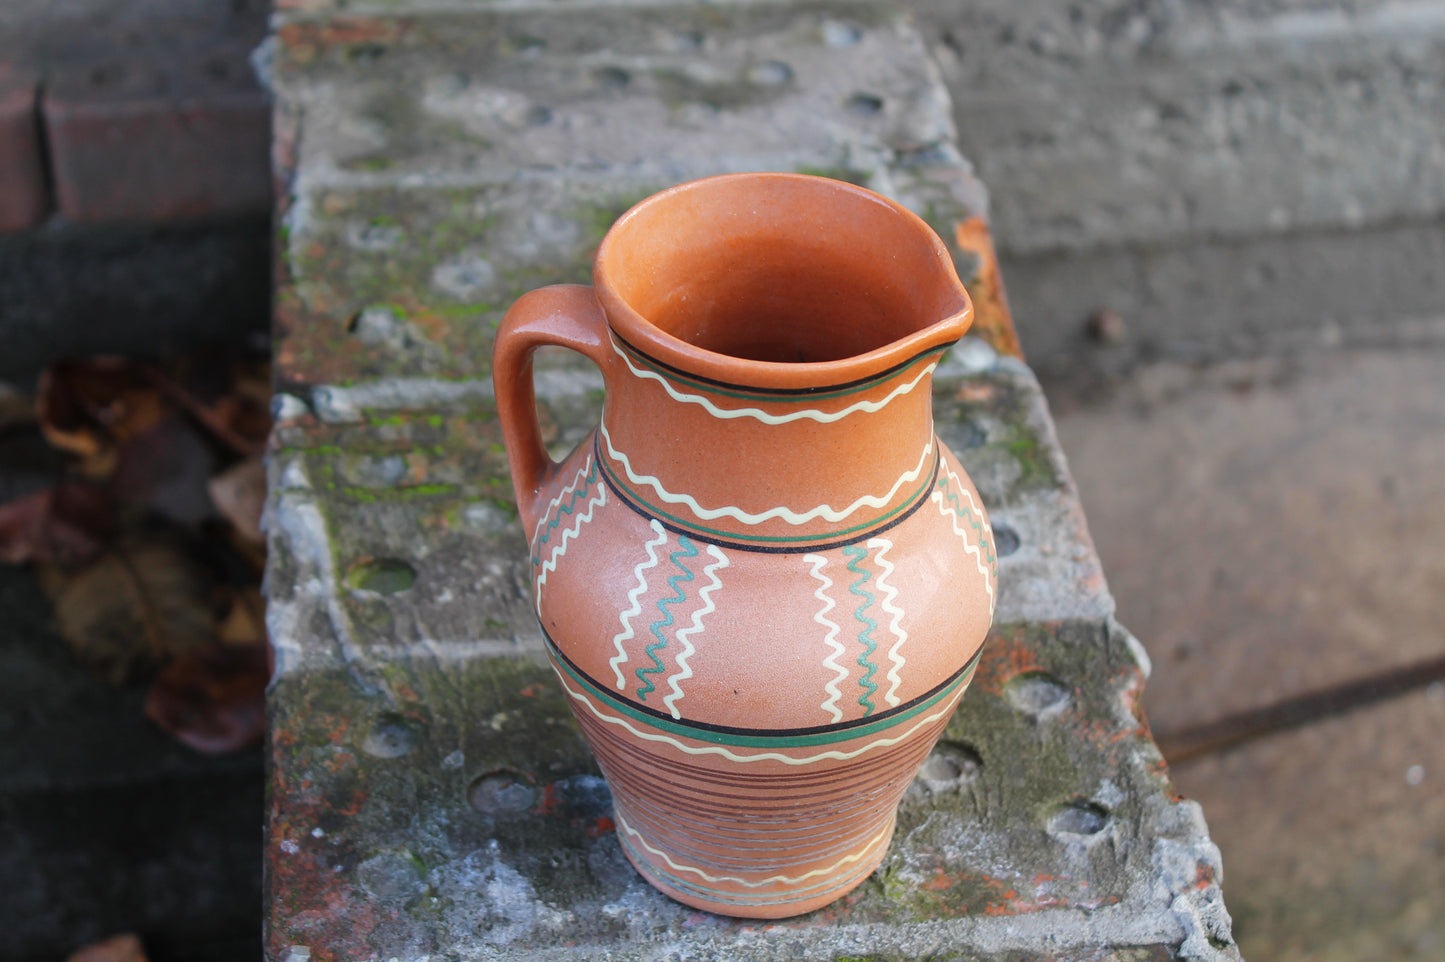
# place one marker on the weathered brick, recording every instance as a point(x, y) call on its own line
point(177, 139)
point(23, 197)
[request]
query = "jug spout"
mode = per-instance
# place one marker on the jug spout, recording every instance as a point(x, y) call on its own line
point(779, 281)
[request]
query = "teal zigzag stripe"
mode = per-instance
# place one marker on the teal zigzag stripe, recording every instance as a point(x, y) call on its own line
point(577, 495)
point(858, 554)
point(688, 550)
point(986, 543)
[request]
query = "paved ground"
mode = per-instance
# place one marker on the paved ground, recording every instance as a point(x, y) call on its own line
point(1269, 528)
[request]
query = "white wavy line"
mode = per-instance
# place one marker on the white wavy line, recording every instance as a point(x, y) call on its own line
point(825, 511)
point(968, 546)
point(550, 564)
point(684, 671)
point(824, 417)
point(653, 736)
point(788, 879)
point(888, 605)
point(633, 598)
point(830, 704)
point(586, 466)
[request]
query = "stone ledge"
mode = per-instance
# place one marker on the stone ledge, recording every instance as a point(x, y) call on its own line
point(431, 793)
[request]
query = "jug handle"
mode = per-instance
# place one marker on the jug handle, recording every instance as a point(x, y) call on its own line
point(564, 315)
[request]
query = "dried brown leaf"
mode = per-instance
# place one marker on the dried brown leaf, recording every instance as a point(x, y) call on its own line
point(140, 602)
point(230, 419)
point(89, 407)
point(239, 493)
point(64, 524)
point(164, 470)
point(245, 621)
point(117, 948)
point(213, 698)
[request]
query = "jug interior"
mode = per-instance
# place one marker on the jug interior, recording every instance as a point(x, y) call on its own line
point(790, 270)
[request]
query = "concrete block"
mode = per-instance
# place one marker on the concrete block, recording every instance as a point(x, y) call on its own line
point(451, 162)
point(23, 197)
point(159, 140)
point(1101, 124)
point(1213, 299)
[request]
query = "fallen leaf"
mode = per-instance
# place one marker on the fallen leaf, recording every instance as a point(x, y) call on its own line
point(89, 407)
point(231, 419)
point(117, 948)
point(164, 470)
point(141, 601)
point(213, 698)
point(239, 493)
point(245, 621)
point(64, 524)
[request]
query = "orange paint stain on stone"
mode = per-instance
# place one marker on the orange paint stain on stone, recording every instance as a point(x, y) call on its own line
point(1005, 656)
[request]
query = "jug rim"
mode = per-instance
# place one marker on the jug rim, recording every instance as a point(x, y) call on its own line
point(640, 334)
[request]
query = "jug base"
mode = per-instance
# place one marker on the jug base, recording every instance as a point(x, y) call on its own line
point(779, 900)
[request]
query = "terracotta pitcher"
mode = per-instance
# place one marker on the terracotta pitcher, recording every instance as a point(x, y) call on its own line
point(762, 580)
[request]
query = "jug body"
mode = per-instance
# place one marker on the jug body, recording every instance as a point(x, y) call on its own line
point(762, 580)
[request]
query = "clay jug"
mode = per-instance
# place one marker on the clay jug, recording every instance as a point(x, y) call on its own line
point(762, 581)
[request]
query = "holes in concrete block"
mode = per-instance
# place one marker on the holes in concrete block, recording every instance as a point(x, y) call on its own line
point(1079, 818)
point(364, 53)
point(951, 767)
point(864, 104)
point(769, 73)
point(1005, 539)
point(527, 45)
point(464, 277)
point(537, 116)
point(379, 236)
point(583, 796)
point(1036, 693)
point(972, 436)
point(385, 576)
point(391, 736)
point(837, 34)
point(393, 876)
point(611, 78)
point(684, 41)
point(503, 792)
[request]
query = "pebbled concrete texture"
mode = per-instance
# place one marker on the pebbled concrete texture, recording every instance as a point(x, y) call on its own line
point(1108, 123)
point(1224, 176)
point(1273, 527)
point(430, 794)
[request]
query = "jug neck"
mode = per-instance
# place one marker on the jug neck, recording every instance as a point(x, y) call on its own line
point(763, 467)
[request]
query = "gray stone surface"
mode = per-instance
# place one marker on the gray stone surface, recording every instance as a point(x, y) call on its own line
point(1274, 528)
point(431, 794)
point(1224, 175)
point(1216, 300)
point(1107, 123)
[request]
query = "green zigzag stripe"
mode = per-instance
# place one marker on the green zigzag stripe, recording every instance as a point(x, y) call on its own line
point(577, 495)
point(688, 550)
point(770, 741)
point(986, 543)
point(858, 554)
